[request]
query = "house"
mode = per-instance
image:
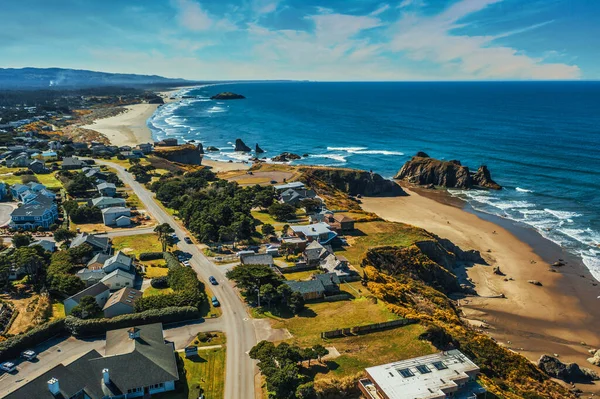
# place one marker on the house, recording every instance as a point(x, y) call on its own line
point(168, 142)
point(54, 145)
point(90, 276)
point(146, 148)
point(437, 376)
point(106, 202)
point(48, 245)
point(257, 259)
point(339, 223)
point(3, 190)
point(72, 163)
point(130, 154)
point(32, 216)
point(99, 244)
point(137, 362)
point(314, 232)
point(97, 262)
point(339, 266)
point(315, 253)
point(118, 279)
point(48, 155)
point(319, 286)
point(107, 189)
point(19, 161)
point(295, 196)
point(95, 173)
point(294, 185)
point(99, 291)
point(38, 166)
point(121, 302)
point(111, 216)
point(118, 261)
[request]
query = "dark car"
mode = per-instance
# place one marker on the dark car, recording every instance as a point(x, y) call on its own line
point(213, 280)
point(188, 240)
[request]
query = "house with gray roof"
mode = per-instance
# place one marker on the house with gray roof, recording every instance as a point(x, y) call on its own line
point(319, 286)
point(314, 232)
point(72, 163)
point(99, 291)
point(48, 245)
point(118, 279)
point(32, 216)
point(137, 362)
point(119, 216)
point(106, 202)
point(107, 189)
point(97, 262)
point(118, 261)
point(257, 259)
point(99, 244)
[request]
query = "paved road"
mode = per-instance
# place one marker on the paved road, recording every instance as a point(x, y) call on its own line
point(237, 325)
point(67, 349)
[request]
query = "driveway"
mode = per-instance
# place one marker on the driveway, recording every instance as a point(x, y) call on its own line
point(5, 211)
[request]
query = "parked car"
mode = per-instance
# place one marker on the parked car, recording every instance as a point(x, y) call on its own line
point(28, 354)
point(215, 302)
point(213, 280)
point(181, 258)
point(187, 240)
point(9, 367)
point(273, 181)
point(186, 263)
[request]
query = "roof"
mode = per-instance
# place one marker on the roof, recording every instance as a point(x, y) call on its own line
point(116, 209)
point(343, 218)
point(103, 186)
point(90, 274)
point(46, 244)
point(30, 210)
point(98, 258)
point(119, 273)
point(257, 259)
point(73, 161)
point(119, 258)
point(126, 296)
point(312, 229)
point(296, 184)
point(124, 358)
point(422, 377)
point(93, 290)
point(95, 241)
point(306, 287)
point(103, 201)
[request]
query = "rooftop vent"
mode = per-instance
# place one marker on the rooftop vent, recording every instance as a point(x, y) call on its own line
point(133, 332)
point(53, 386)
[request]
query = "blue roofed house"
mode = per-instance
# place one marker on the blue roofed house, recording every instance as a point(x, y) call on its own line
point(319, 232)
point(107, 189)
point(39, 211)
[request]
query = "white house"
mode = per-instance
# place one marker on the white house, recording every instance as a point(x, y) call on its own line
point(121, 302)
point(118, 279)
point(112, 214)
point(99, 291)
point(117, 261)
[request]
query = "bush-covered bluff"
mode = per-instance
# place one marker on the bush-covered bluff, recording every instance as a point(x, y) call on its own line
point(351, 181)
point(189, 154)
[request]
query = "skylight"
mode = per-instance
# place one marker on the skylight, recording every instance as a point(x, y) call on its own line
point(406, 373)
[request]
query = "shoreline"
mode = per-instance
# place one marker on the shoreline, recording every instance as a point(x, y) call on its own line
point(555, 318)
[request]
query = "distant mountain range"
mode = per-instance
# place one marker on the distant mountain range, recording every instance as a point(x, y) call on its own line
point(38, 78)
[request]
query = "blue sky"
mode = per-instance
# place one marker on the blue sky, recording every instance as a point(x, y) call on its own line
point(308, 39)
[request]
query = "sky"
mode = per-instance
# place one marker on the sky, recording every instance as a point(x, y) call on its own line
point(329, 40)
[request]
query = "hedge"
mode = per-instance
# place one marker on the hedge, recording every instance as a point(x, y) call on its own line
point(12, 347)
point(92, 327)
point(160, 282)
point(151, 255)
point(172, 261)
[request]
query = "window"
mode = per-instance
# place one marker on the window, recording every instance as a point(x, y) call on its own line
point(439, 365)
point(423, 369)
point(406, 373)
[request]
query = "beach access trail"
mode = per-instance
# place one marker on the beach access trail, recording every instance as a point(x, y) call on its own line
point(236, 323)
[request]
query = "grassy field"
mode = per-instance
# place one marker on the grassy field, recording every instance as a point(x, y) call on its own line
point(137, 244)
point(207, 372)
point(299, 275)
point(58, 311)
point(151, 291)
point(265, 218)
point(155, 271)
point(376, 234)
point(217, 338)
point(133, 201)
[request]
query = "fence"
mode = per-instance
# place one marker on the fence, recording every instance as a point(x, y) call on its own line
point(343, 332)
point(299, 267)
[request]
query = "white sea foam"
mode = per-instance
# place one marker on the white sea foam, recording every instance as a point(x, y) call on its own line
point(377, 152)
point(335, 157)
point(523, 190)
point(563, 215)
point(216, 110)
point(591, 260)
point(348, 149)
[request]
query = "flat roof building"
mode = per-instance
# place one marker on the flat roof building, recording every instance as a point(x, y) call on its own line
point(437, 376)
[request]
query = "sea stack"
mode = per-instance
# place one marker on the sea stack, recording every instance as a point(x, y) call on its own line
point(285, 157)
point(241, 146)
point(200, 148)
point(424, 170)
point(259, 150)
point(227, 96)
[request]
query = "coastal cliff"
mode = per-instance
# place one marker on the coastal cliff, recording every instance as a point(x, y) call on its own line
point(351, 181)
point(186, 154)
point(424, 170)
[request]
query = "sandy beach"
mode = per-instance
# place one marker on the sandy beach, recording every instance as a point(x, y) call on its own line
point(558, 317)
point(127, 128)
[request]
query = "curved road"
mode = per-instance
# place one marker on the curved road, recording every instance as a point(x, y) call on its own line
point(237, 325)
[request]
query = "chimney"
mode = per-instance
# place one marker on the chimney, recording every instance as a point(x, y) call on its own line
point(105, 376)
point(133, 332)
point(53, 386)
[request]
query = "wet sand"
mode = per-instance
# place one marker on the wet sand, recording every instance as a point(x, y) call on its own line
point(557, 317)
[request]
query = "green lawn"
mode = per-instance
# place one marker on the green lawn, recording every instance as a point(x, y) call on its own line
point(265, 218)
point(299, 275)
point(58, 311)
point(50, 181)
point(151, 291)
point(216, 338)
point(155, 271)
point(135, 245)
point(207, 372)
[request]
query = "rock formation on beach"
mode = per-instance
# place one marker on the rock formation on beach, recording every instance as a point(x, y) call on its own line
point(188, 154)
point(200, 148)
point(241, 146)
point(227, 95)
point(210, 148)
point(351, 181)
point(570, 372)
point(285, 157)
point(258, 150)
point(424, 170)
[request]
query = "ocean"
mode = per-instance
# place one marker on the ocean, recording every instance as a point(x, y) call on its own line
point(540, 140)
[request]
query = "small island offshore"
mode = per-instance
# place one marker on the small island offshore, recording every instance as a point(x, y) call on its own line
point(227, 95)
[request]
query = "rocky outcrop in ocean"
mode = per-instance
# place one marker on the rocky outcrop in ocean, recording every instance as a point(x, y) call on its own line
point(200, 148)
point(258, 150)
point(427, 171)
point(241, 146)
point(285, 157)
point(227, 95)
point(211, 148)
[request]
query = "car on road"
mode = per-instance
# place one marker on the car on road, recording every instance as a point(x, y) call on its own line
point(186, 263)
point(181, 258)
point(215, 302)
point(187, 240)
point(213, 280)
point(174, 237)
point(9, 367)
point(273, 181)
point(28, 354)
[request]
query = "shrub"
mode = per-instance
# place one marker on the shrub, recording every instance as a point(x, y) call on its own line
point(92, 327)
point(13, 346)
point(151, 256)
point(160, 282)
point(171, 260)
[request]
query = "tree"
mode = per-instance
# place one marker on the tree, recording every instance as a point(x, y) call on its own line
point(87, 307)
point(134, 161)
point(250, 278)
point(311, 205)
point(320, 351)
point(285, 229)
point(63, 234)
point(308, 354)
point(29, 260)
point(269, 293)
point(21, 240)
point(165, 232)
point(296, 302)
point(267, 229)
point(306, 391)
point(79, 184)
point(282, 211)
point(70, 206)
point(86, 214)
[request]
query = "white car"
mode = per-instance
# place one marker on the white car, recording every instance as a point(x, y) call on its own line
point(9, 367)
point(28, 354)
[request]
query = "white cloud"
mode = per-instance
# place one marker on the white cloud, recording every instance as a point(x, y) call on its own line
point(262, 7)
point(431, 39)
point(192, 16)
point(380, 10)
point(408, 3)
